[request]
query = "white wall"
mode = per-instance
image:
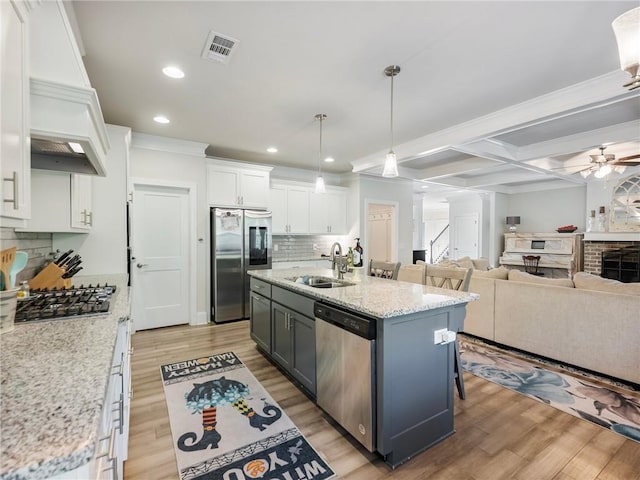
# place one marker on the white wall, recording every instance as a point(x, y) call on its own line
point(543, 212)
point(148, 163)
point(381, 190)
point(103, 249)
point(498, 212)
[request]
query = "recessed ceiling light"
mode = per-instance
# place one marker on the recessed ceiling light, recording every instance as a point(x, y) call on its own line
point(173, 72)
point(272, 150)
point(329, 159)
point(425, 186)
point(160, 119)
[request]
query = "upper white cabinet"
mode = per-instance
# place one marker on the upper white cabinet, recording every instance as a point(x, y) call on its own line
point(14, 120)
point(81, 203)
point(290, 209)
point(61, 203)
point(233, 185)
point(297, 209)
point(328, 212)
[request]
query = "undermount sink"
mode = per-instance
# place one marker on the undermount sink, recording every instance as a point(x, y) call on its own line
point(320, 282)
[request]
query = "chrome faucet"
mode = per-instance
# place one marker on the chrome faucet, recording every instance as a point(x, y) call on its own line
point(342, 267)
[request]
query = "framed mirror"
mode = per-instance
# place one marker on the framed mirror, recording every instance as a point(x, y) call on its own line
point(624, 213)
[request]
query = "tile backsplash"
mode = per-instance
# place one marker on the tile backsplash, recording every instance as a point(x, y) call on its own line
point(306, 247)
point(38, 247)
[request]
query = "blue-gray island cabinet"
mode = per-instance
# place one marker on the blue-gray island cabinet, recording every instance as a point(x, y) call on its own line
point(412, 370)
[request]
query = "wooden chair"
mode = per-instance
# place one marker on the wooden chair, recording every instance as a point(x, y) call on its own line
point(384, 269)
point(452, 278)
point(412, 273)
point(531, 264)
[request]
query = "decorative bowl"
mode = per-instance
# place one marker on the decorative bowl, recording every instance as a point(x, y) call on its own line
point(566, 230)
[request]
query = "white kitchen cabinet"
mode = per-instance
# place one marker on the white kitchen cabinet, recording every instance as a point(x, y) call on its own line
point(61, 202)
point(289, 205)
point(81, 204)
point(232, 186)
point(14, 121)
point(328, 212)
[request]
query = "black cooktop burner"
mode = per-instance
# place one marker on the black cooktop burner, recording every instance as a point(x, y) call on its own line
point(65, 303)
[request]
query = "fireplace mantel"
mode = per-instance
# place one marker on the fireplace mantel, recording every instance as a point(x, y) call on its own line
point(612, 237)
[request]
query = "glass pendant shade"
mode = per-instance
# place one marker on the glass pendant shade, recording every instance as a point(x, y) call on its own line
point(603, 171)
point(319, 180)
point(390, 165)
point(627, 31)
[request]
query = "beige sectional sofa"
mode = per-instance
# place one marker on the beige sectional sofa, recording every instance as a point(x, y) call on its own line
point(593, 323)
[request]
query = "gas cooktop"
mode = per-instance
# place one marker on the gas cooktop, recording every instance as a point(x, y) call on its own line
point(65, 303)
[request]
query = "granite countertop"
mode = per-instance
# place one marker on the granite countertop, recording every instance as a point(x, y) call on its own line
point(376, 297)
point(54, 376)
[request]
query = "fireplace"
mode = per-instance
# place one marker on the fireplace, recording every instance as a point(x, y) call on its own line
point(622, 264)
point(597, 245)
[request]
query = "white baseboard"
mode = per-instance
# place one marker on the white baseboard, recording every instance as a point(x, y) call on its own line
point(201, 319)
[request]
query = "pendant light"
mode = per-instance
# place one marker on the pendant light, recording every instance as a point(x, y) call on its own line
point(319, 180)
point(390, 163)
point(627, 31)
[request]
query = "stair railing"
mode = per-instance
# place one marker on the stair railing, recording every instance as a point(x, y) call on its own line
point(431, 242)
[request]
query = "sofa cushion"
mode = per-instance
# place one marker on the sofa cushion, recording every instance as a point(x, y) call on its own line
point(518, 276)
point(587, 281)
point(501, 273)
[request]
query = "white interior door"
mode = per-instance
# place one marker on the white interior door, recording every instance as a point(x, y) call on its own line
point(160, 237)
point(380, 237)
point(465, 236)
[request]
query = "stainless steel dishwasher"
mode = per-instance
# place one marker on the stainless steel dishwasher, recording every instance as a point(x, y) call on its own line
point(345, 370)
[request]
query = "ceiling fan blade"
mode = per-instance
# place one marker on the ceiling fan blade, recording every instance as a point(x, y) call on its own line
point(626, 164)
point(629, 157)
point(568, 167)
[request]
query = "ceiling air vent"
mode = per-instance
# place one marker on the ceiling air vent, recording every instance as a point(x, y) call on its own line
point(219, 48)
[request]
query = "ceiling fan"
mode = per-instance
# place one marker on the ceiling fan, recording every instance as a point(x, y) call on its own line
point(603, 164)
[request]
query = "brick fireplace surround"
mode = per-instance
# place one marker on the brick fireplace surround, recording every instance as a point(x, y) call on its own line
point(593, 249)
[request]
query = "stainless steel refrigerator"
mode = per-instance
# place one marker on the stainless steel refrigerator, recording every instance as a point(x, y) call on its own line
point(240, 241)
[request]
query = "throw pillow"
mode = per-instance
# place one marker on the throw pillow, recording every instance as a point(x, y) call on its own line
point(464, 262)
point(518, 276)
point(587, 281)
point(480, 263)
point(500, 273)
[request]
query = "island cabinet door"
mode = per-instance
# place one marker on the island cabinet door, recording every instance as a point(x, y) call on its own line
point(303, 351)
point(260, 321)
point(281, 336)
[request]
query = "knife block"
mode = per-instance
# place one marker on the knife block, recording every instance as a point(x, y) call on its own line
point(50, 277)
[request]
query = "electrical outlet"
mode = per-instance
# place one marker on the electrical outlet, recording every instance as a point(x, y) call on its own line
point(275, 247)
point(438, 336)
point(315, 246)
point(443, 336)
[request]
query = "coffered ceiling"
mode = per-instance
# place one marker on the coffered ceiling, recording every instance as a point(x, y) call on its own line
point(493, 96)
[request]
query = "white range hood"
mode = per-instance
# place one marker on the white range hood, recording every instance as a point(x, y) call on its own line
point(64, 107)
point(63, 113)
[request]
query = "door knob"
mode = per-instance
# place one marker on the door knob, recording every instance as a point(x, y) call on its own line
point(140, 265)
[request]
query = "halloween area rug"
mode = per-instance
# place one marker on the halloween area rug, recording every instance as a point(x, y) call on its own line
point(226, 426)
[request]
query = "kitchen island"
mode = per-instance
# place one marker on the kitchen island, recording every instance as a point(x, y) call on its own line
point(55, 403)
point(411, 366)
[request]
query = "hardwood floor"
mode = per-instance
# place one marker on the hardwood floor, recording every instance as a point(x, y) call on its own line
point(500, 434)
